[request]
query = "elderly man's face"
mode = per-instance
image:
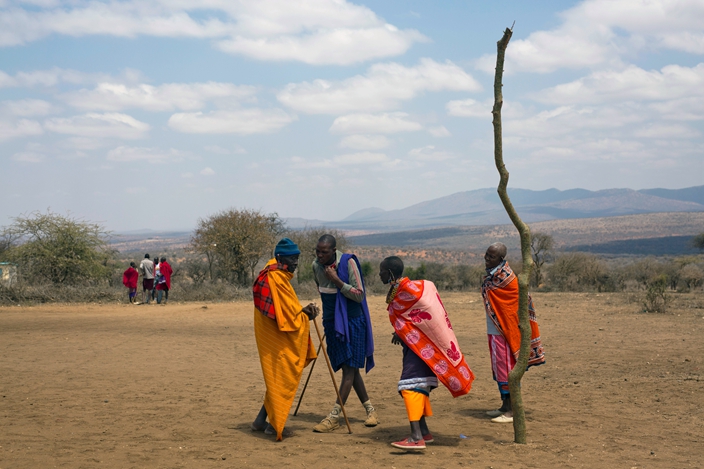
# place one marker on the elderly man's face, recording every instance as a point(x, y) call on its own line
point(492, 258)
point(291, 262)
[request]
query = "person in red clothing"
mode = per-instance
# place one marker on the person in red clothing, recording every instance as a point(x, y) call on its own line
point(163, 284)
point(129, 280)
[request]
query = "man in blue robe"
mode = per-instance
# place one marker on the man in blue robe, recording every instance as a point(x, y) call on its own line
point(348, 327)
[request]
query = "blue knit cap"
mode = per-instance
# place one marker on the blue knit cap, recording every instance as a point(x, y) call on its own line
point(286, 247)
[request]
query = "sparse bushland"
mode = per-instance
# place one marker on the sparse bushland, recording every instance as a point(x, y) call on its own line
point(57, 249)
point(77, 274)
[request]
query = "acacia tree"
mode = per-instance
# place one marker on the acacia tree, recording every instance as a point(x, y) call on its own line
point(541, 245)
point(234, 241)
point(515, 376)
point(698, 241)
point(57, 248)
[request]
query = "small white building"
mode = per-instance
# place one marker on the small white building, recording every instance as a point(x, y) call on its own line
point(8, 274)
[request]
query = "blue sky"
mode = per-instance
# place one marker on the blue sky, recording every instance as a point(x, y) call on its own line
point(149, 114)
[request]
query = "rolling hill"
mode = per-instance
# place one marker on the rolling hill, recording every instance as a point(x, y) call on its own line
point(483, 207)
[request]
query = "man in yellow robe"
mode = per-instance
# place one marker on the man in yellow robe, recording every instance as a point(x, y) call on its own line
point(282, 331)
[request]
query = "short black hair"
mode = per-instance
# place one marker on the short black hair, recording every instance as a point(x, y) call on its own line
point(132, 264)
point(163, 259)
point(328, 240)
point(394, 264)
point(146, 256)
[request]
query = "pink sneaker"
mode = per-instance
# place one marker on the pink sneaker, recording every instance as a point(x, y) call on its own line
point(428, 438)
point(409, 445)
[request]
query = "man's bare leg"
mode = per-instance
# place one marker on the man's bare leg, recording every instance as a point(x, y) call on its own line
point(259, 424)
point(352, 378)
point(416, 441)
point(416, 433)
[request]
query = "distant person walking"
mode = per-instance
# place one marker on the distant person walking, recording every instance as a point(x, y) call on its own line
point(163, 283)
point(157, 276)
point(129, 280)
point(500, 295)
point(146, 270)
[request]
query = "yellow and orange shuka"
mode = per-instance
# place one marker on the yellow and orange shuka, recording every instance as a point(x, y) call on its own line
point(283, 342)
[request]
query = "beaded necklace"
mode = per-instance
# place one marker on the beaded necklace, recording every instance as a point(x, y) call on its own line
point(392, 292)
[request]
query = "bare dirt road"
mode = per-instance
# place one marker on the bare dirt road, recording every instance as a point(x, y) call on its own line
point(119, 386)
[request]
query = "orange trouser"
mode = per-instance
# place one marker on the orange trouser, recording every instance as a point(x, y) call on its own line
point(417, 405)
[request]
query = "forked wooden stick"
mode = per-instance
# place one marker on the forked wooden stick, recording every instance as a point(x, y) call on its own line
point(310, 373)
point(332, 375)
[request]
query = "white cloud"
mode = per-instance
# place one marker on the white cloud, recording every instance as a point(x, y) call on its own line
point(387, 123)
point(362, 158)
point(320, 32)
point(28, 157)
point(83, 143)
point(687, 109)
point(365, 142)
point(366, 159)
point(125, 19)
point(469, 108)
point(51, 77)
point(10, 129)
point(383, 87)
point(482, 109)
point(632, 83)
point(429, 153)
point(107, 125)
point(207, 171)
point(244, 121)
point(166, 97)
point(125, 154)
point(26, 107)
point(217, 149)
point(439, 131)
point(597, 32)
point(666, 131)
point(616, 132)
point(335, 46)
point(566, 120)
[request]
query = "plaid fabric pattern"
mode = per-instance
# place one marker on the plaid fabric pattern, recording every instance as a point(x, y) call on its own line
point(262, 293)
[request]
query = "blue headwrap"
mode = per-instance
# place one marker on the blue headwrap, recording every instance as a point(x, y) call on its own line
point(286, 247)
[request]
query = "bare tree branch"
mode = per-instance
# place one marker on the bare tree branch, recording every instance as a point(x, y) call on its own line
point(514, 378)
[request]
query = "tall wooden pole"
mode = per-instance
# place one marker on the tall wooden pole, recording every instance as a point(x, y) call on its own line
point(515, 376)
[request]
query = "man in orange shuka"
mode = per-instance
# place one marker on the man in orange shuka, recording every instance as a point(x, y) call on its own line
point(282, 331)
point(500, 295)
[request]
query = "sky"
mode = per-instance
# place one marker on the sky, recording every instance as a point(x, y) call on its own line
point(153, 114)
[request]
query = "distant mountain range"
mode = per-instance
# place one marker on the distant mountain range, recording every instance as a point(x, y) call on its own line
point(662, 221)
point(483, 207)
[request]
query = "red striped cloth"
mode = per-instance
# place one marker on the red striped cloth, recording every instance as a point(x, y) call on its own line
point(261, 291)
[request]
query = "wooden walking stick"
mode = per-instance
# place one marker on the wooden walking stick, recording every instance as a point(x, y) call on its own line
point(332, 375)
point(310, 373)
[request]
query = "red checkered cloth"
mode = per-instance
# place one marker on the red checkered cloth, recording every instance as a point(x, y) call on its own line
point(262, 293)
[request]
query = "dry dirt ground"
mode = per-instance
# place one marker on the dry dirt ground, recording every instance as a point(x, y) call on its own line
point(120, 386)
